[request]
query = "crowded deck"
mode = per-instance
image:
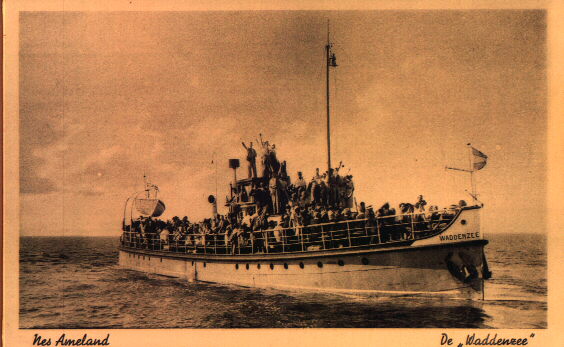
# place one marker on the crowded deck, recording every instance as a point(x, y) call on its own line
point(268, 213)
point(218, 239)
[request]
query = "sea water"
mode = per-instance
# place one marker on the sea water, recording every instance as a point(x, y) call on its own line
point(74, 282)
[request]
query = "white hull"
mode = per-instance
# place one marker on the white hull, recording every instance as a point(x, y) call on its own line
point(417, 268)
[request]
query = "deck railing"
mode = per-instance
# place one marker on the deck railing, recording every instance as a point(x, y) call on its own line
point(350, 233)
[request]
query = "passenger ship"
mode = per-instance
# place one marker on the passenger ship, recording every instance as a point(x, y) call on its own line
point(407, 254)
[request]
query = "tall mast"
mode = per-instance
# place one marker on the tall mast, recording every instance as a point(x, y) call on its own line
point(145, 183)
point(331, 62)
point(471, 170)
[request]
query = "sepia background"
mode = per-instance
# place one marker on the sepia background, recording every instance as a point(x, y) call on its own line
point(45, 180)
point(108, 96)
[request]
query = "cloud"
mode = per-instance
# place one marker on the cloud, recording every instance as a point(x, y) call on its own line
point(36, 185)
point(37, 131)
point(165, 93)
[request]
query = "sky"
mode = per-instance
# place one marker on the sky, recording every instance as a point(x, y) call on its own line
point(108, 96)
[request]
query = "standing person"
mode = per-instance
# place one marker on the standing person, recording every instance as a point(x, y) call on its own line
point(295, 220)
point(302, 200)
point(283, 198)
point(318, 177)
point(274, 194)
point(420, 204)
point(349, 191)
point(273, 161)
point(331, 188)
point(341, 191)
point(283, 172)
point(371, 226)
point(361, 211)
point(243, 196)
point(251, 160)
point(265, 157)
point(300, 183)
point(325, 193)
point(227, 237)
point(233, 239)
point(315, 192)
point(163, 239)
point(253, 194)
point(258, 197)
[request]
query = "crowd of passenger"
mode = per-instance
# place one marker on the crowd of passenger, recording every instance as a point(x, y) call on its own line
point(269, 210)
point(274, 190)
point(259, 229)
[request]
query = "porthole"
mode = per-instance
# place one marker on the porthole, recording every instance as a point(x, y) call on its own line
point(247, 266)
point(365, 261)
point(463, 222)
point(204, 264)
point(258, 266)
point(236, 266)
point(286, 266)
point(341, 263)
point(192, 263)
point(319, 264)
point(301, 265)
point(161, 260)
point(271, 266)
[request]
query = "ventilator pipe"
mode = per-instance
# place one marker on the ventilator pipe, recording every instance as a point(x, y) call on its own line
point(213, 201)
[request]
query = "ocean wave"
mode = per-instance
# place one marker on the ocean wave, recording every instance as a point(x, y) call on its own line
point(87, 290)
point(79, 287)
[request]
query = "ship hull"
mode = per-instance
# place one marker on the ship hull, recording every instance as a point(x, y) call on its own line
point(451, 263)
point(407, 270)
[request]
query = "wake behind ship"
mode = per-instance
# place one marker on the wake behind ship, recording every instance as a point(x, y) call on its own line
point(311, 235)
